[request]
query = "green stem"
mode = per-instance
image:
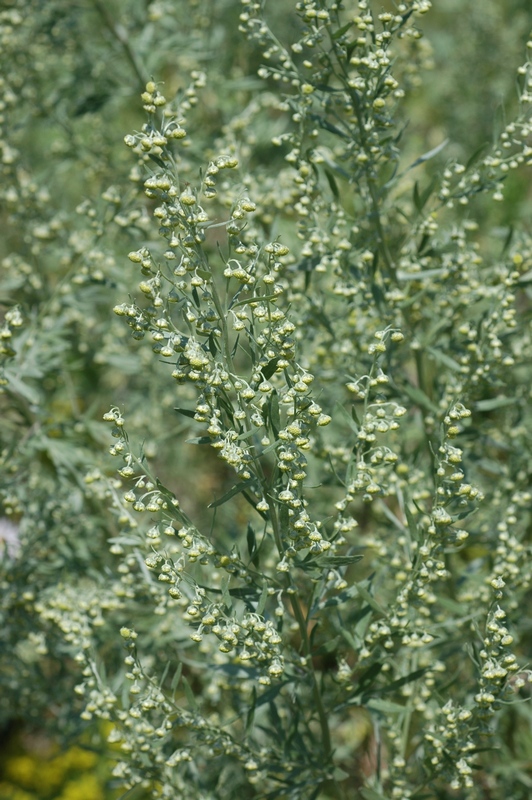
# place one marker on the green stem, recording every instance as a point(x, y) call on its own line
point(226, 352)
point(371, 180)
point(322, 716)
point(426, 389)
point(222, 316)
point(381, 237)
point(302, 623)
point(276, 530)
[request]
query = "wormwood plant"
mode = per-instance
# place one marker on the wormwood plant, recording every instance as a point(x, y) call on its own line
point(347, 351)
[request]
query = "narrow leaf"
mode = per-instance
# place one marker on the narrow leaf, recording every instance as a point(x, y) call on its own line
point(365, 595)
point(495, 402)
point(235, 346)
point(347, 636)
point(187, 412)
point(262, 600)
point(476, 154)
point(158, 161)
point(347, 417)
point(251, 712)
point(163, 490)
point(328, 126)
point(337, 561)
point(165, 673)
point(328, 647)
point(412, 524)
point(284, 519)
point(424, 241)
point(189, 694)
point(251, 540)
point(255, 299)
point(340, 32)
point(420, 198)
point(240, 487)
point(274, 413)
point(244, 592)
point(225, 593)
point(275, 719)
point(368, 678)
point(270, 368)
point(324, 88)
point(331, 180)
point(18, 386)
point(421, 275)
point(428, 155)
point(385, 706)
point(340, 774)
point(418, 396)
point(444, 359)
point(176, 678)
point(412, 676)
point(200, 440)
point(416, 198)
point(213, 347)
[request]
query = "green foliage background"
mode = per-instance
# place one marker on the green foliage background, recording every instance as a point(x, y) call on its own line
point(72, 209)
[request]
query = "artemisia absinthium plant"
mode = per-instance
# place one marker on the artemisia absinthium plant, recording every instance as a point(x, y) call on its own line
point(344, 349)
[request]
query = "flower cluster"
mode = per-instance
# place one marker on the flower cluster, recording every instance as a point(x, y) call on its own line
point(298, 570)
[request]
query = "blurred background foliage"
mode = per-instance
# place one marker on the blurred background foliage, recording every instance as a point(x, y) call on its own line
point(71, 74)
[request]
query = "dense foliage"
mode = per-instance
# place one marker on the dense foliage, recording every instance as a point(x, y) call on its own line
point(266, 527)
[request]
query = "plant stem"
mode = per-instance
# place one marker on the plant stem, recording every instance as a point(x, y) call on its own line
point(302, 622)
point(120, 35)
point(324, 723)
